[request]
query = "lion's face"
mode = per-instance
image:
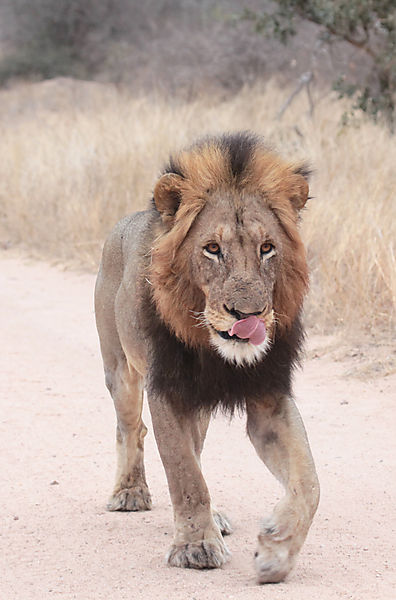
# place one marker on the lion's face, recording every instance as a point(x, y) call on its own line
point(235, 252)
point(228, 253)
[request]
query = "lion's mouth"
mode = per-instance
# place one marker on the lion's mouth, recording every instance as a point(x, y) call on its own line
point(226, 336)
point(251, 330)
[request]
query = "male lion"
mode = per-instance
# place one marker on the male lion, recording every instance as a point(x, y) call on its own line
point(198, 299)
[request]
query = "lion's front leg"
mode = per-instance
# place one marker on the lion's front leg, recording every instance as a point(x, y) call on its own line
point(278, 435)
point(198, 542)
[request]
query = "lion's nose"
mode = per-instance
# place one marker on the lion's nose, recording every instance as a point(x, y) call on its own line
point(238, 314)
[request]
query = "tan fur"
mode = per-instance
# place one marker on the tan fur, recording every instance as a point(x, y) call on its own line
point(163, 256)
point(269, 178)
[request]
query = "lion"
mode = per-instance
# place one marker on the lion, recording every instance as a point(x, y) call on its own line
point(198, 299)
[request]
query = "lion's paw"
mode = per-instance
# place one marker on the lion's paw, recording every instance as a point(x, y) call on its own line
point(131, 499)
point(222, 522)
point(207, 554)
point(273, 567)
point(275, 557)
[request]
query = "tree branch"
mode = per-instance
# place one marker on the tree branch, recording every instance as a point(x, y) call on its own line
point(361, 44)
point(303, 81)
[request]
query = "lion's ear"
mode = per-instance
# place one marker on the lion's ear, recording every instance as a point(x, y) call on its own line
point(168, 194)
point(299, 186)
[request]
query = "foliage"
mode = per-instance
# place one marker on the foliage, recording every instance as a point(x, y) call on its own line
point(367, 25)
point(49, 38)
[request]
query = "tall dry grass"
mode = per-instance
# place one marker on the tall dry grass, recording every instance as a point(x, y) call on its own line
point(74, 160)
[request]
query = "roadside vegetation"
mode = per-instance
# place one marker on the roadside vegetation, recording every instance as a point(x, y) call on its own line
point(76, 156)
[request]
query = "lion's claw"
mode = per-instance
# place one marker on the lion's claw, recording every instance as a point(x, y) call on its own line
point(222, 522)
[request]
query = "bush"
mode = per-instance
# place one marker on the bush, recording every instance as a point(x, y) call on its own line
point(368, 26)
point(50, 38)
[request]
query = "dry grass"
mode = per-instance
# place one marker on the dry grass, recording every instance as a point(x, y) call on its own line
point(76, 157)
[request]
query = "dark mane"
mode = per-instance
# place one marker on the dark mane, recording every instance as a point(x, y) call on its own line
point(237, 147)
point(194, 379)
point(191, 374)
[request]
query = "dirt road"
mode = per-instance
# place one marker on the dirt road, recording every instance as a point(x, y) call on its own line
point(57, 464)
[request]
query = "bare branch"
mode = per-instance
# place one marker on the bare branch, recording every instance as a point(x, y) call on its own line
point(303, 81)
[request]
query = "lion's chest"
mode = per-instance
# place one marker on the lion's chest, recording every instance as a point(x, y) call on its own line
point(193, 379)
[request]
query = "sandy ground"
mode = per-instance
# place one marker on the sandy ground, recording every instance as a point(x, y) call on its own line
point(57, 464)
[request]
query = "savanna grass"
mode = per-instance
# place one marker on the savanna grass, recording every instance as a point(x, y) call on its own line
point(70, 169)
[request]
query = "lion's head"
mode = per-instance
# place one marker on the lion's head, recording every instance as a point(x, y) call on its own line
point(228, 246)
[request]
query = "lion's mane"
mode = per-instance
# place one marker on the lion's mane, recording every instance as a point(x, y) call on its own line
point(194, 375)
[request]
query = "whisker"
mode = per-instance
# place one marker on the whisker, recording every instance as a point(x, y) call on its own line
point(276, 315)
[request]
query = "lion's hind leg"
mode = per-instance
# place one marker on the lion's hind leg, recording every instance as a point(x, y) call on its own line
point(202, 425)
point(130, 491)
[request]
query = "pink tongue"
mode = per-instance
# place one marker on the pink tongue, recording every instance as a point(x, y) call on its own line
point(251, 328)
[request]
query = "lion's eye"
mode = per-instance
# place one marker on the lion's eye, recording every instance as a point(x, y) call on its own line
point(266, 248)
point(212, 248)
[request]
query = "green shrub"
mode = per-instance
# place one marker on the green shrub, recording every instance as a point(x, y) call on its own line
point(367, 25)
